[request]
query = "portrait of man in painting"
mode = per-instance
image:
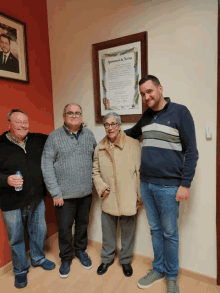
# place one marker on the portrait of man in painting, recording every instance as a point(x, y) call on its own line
point(9, 58)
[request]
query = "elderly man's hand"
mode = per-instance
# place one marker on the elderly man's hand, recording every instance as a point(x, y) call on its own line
point(105, 193)
point(14, 181)
point(58, 202)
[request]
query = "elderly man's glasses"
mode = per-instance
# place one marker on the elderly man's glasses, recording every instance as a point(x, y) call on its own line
point(72, 114)
point(25, 123)
point(113, 125)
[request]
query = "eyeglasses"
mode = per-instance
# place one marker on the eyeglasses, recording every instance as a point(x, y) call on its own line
point(25, 123)
point(113, 125)
point(72, 114)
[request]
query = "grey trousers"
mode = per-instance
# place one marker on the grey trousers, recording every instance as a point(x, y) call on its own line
point(109, 240)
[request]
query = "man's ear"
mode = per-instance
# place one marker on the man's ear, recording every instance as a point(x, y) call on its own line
point(160, 89)
point(8, 123)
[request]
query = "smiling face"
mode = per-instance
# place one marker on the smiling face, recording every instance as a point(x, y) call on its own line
point(71, 120)
point(5, 44)
point(152, 95)
point(112, 131)
point(18, 125)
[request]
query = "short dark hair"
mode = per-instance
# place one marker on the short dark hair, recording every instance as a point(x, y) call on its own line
point(7, 37)
point(64, 109)
point(153, 78)
point(14, 111)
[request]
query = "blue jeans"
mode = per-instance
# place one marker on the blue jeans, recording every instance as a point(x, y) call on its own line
point(162, 212)
point(15, 221)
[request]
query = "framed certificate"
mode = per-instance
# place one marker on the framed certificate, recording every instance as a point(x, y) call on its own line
point(118, 65)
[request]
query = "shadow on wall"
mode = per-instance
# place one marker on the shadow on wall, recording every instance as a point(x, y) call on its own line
point(185, 209)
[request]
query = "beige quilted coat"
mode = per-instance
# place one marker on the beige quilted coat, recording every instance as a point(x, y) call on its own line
point(117, 168)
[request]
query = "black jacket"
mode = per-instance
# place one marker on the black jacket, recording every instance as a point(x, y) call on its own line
point(11, 64)
point(13, 158)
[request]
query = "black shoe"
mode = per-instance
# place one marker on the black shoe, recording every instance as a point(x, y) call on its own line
point(21, 280)
point(104, 267)
point(127, 269)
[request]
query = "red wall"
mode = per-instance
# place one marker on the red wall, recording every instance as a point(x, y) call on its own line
point(34, 98)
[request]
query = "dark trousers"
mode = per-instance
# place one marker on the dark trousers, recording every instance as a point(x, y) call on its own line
point(75, 209)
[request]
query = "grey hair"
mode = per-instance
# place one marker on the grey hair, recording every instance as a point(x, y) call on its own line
point(64, 109)
point(113, 115)
point(14, 111)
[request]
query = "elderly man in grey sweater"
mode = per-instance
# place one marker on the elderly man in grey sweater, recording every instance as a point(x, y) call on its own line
point(67, 171)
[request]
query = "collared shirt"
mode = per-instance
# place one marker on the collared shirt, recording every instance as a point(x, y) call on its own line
point(71, 134)
point(15, 141)
point(3, 57)
point(111, 144)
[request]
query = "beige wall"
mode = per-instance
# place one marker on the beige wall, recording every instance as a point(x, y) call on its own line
point(182, 52)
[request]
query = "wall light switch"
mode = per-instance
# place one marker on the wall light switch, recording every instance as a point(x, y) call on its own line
point(208, 131)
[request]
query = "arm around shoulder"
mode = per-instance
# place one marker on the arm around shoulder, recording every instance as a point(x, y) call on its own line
point(47, 166)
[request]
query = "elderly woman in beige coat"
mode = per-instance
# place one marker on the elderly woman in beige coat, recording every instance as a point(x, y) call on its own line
point(116, 178)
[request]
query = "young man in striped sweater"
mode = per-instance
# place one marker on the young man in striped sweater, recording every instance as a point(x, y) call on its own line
point(168, 162)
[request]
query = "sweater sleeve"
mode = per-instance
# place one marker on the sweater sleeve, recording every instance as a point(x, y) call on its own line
point(135, 131)
point(188, 141)
point(3, 180)
point(47, 166)
point(100, 185)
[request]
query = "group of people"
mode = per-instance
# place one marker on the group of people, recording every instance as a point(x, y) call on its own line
point(69, 161)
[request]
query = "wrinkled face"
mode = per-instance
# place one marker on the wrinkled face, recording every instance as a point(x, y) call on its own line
point(151, 94)
point(112, 129)
point(5, 45)
point(18, 125)
point(72, 117)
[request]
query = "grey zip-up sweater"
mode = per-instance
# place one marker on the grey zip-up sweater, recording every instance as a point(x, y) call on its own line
point(67, 163)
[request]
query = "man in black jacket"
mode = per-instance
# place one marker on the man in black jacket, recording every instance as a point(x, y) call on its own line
point(21, 151)
point(8, 61)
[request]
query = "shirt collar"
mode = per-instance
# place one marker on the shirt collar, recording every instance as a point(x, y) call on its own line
point(14, 140)
point(69, 132)
point(6, 54)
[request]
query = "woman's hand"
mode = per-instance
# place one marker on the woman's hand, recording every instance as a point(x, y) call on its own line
point(139, 202)
point(105, 193)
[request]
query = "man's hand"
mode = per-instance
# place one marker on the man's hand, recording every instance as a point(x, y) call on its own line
point(58, 202)
point(14, 181)
point(182, 193)
point(105, 193)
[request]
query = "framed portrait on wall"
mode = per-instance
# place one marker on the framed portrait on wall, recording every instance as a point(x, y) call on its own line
point(13, 49)
point(118, 65)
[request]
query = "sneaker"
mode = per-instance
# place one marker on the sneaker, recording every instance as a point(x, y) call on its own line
point(172, 286)
point(64, 269)
point(21, 280)
point(149, 279)
point(84, 259)
point(47, 265)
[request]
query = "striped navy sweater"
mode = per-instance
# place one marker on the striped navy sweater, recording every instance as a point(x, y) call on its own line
point(169, 153)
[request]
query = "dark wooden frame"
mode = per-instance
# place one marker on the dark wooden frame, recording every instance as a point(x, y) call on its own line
point(218, 156)
point(139, 37)
point(26, 69)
